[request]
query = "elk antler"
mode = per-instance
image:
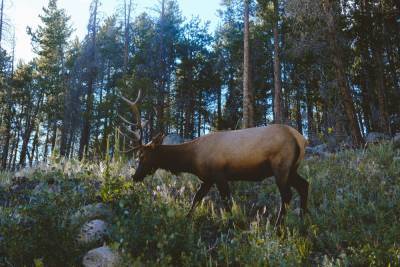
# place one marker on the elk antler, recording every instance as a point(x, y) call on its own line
point(136, 112)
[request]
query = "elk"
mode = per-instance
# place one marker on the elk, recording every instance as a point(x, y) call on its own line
point(251, 154)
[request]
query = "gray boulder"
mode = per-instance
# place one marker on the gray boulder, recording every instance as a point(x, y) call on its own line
point(22, 184)
point(94, 231)
point(319, 150)
point(101, 257)
point(45, 187)
point(375, 137)
point(173, 139)
point(91, 212)
point(396, 141)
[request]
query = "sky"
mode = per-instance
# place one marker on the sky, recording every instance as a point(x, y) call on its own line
point(21, 13)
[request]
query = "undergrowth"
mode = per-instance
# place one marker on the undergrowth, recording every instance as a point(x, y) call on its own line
point(354, 216)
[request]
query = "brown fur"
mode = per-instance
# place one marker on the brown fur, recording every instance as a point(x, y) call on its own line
point(251, 154)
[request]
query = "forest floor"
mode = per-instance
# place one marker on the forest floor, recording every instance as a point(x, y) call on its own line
point(354, 217)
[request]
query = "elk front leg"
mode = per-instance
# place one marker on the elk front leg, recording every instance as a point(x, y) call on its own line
point(225, 192)
point(203, 190)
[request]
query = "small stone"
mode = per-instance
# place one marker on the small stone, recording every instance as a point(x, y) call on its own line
point(93, 232)
point(101, 257)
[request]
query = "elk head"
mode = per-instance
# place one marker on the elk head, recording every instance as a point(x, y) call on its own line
point(148, 158)
point(146, 153)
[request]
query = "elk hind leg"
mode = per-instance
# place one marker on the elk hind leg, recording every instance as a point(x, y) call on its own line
point(301, 186)
point(203, 190)
point(281, 178)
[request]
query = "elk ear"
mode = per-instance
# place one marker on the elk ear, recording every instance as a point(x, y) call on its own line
point(158, 139)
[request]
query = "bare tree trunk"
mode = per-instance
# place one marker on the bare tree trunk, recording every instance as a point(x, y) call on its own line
point(248, 105)
point(340, 74)
point(85, 137)
point(277, 69)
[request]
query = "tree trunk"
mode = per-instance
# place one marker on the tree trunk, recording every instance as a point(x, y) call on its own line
point(311, 130)
point(340, 74)
point(53, 137)
point(8, 119)
point(25, 142)
point(85, 137)
point(127, 18)
point(66, 120)
point(299, 120)
point(46, 142)
point(380, 90)
point(13, 157)
point(277, 69)
point(34, 145)
point(378, 55)
point(1, 22)
point(248, 106)
point(365, 102)
point(163, 81)
point(219, 108)
point(6, 144)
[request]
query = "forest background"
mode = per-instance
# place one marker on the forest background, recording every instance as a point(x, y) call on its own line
point(331, 69)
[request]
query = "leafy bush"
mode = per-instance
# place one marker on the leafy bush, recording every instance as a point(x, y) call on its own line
point(38, 227)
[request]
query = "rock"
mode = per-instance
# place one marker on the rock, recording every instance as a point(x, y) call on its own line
point(101, 257)
point(91, 212)
point(4, 197)
point(51, 188)
point(374, 137)
point(94, 231)
point(173, 139)
point(396, 141)
point(19, 191)
point(22, 184)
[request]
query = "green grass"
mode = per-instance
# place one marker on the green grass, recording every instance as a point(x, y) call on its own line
point(353, 221)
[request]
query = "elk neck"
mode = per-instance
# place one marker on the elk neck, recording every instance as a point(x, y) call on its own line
point(177, 158)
